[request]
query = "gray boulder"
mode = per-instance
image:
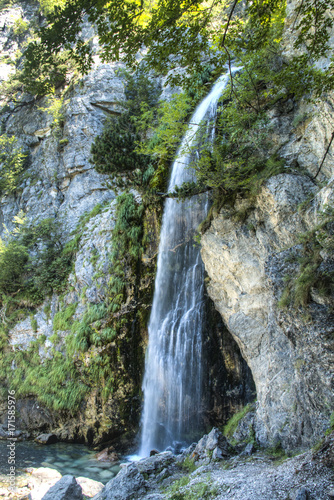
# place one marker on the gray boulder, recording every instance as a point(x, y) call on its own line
point(65, 489)
point(248, 450)
point(128, 484)
point(211, 444)
point(156, 463)
point(245, 428)
point(217, 454)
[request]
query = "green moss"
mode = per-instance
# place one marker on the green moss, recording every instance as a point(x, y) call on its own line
point(94, 257)
point(47, 311)
point(189, 464)
point(180, 490)
point(232, 424)
point(277, 452)
point(173, 492)
point(63, 319)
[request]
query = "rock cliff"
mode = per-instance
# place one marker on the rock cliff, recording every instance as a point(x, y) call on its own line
point(60, 184)
point(250, 252)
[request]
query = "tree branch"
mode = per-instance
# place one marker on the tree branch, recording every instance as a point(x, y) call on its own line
point(324, 157)
point(228, 21)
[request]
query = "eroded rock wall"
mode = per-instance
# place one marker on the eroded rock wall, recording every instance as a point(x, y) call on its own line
point(250, 252)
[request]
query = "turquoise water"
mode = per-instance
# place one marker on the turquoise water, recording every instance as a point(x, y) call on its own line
point(75, 459)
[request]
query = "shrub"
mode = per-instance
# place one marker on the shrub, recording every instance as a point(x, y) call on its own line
point(13, 261)
point(13, 162)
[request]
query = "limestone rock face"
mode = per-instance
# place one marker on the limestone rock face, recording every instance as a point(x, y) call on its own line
point(60, 183)
point(247, 258)
point(291, 358)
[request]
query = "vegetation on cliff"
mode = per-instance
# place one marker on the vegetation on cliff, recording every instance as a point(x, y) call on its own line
point(135, 149)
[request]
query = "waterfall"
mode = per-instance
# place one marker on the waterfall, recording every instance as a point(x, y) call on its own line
point(173, 370)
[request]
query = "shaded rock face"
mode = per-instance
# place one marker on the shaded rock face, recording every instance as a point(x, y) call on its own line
point(228, 383)
point(291, 359)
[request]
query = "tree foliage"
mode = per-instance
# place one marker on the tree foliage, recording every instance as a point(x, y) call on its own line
point(116, 150)
point(172, 34)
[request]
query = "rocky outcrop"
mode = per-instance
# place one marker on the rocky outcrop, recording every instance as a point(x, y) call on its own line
point(248, 251)
point(166, 476)
point(66, 488)
point(251, 254)
point(291, 358)
point(60, 183)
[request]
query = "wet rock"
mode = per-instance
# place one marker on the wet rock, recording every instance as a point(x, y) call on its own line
point(46, 439)
point(66, 488)
point(107, 455)
point(155, 452)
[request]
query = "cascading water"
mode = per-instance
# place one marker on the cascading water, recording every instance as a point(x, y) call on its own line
point(173, 378)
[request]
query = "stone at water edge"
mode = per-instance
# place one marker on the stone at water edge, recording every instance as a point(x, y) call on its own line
point(66, 488)
point(34, 482)
point(128, 483)
point(46, 439)
point(107, 455)
point(89, 486)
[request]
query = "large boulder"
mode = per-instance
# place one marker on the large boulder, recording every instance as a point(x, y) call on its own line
point(40, 480)
point(128, 484)
point(89, 486)
point(213, 445)
point(66, 488)
point(136, 478)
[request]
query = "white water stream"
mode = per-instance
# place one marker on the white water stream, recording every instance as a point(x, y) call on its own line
point(173, 369)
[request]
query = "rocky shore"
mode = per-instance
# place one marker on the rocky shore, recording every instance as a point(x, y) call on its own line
point(210, 469)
